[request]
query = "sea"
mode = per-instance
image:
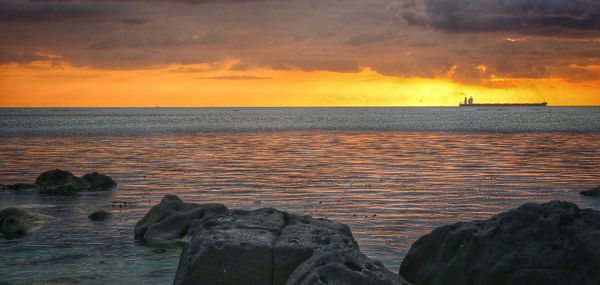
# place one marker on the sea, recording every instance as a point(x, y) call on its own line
point(391, 174)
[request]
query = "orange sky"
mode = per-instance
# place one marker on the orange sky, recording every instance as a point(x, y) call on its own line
point(297, 53)
point(47, 84)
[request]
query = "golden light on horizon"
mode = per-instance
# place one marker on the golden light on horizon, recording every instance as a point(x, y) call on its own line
point(46, 84)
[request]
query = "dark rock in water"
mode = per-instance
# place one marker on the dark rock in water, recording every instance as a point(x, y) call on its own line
point(19, 187)
point(98, 182)
point(99, 215)
point(15, 222)
point(172, 221)
point(263, 246)
point(341, 268)
point(57, 281)
point(60, 182)
point(551, 243)
point(594, 192)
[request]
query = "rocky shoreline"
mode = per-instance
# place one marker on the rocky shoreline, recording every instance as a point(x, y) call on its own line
point(536, 243)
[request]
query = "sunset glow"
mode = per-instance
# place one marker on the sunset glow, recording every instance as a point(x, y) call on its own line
point(46, 84)
point(297, 53)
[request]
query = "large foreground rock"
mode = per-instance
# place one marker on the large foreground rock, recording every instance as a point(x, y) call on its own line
point(594, 192)
point(172, 221)
point(342, 268)
point(15, 222)
point(265, 246)
point(551, 243)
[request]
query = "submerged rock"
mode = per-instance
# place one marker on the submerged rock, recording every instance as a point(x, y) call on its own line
point(98, 182)
point(341, 268)
point(19, 187)
point(594, 192)
point(15, 222)
point(172, 221)
point(265, 246)
point(99, 215)
point(551, 243)
point(60, 182)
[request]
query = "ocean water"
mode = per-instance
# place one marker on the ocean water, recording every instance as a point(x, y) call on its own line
point(391, 174)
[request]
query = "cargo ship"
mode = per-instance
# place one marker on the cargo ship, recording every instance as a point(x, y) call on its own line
point(469, 103)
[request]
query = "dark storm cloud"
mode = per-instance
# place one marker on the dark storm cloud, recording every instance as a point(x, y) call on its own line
point(27, 57)
point(39, 11)
point(541, 17)
point(393, 37)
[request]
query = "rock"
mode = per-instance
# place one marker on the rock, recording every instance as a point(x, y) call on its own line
point(99, 215)
point(551, 243)
point(263, 246)
point(302, 237)
point(98, 182)
point(594, 192)
point(172, 221)
point(19, 187)
point(60, 182)
point(15, 222)
point(341, 268)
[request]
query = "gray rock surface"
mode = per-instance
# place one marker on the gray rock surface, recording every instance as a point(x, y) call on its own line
point(343, 268)
point(265, 246)
point(60, 182)
point(98, 182)
point(172, 221)
point(594, 192)
point(551, 243)
point(99, 215)
point(15, 222)
point(57, 281)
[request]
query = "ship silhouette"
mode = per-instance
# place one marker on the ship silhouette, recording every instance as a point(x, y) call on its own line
point(469, 103)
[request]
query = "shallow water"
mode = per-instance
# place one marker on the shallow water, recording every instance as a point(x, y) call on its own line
point(391, 185)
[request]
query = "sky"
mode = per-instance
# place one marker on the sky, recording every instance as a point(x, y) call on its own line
point(67, 53)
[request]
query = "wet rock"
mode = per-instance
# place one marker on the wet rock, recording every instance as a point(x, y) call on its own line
point(60, 182)
point(341, 268)
point(594, 192)
point(172, 221)
point(19, 187)
point(15, 222)
point(302, 237)
point(99, 215)
point(98, 182)
point(57, 281)
point(551, 243)
point(263, 246)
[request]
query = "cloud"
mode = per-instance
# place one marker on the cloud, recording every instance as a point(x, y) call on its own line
point(537, 17)
point(363, 39)
point(235, 77)
point(7, 56)
point(393, 37)
point(44, 11)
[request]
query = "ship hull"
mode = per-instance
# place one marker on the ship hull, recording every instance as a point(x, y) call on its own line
point(543, 104)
